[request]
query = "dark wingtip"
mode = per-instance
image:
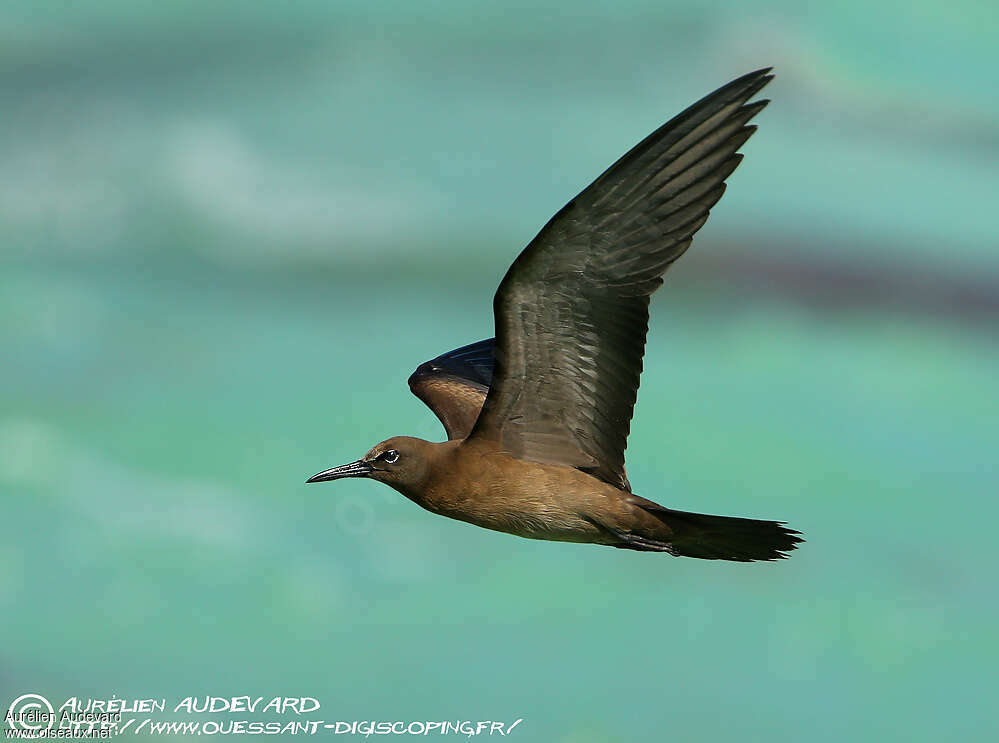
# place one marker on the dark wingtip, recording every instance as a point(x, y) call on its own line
point(747, 86)
point(764, 73)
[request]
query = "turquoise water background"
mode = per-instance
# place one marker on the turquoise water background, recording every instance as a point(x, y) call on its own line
point(229, 231)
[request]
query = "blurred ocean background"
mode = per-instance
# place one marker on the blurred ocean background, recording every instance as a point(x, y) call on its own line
point(229, 231)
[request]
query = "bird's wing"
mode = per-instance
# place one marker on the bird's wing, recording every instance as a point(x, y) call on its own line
point(454, 385)
point(572, 311)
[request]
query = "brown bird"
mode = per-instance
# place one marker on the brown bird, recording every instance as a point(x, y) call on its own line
point(537, 419)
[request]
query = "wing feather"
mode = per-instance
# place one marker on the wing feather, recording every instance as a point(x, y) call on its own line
point(572, 312)
point(454, 385)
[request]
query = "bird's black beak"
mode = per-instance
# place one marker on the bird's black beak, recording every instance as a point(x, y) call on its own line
point(360, 468)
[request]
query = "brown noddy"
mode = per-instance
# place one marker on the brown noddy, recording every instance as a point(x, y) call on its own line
point(537, 418)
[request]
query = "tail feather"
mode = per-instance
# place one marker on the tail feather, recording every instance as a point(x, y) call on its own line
point(725, 537)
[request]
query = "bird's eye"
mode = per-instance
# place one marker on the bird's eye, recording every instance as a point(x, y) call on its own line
point(389, 457)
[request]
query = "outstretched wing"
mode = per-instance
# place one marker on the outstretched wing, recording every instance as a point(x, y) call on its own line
point(572, 311)
point(454, 385)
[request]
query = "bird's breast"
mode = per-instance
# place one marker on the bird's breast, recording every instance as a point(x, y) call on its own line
point(528, 499)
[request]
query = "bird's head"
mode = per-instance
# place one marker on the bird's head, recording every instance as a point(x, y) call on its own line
point(403, 462)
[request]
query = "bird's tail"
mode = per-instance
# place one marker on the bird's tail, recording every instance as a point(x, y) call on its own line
point(723, 537)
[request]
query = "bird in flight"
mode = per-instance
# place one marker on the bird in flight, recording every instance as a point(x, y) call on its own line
point(537, 418)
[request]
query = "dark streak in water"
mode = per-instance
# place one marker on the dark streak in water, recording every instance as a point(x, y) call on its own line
point(816, 281)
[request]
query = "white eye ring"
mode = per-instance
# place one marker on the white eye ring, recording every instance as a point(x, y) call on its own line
point(390, 457)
